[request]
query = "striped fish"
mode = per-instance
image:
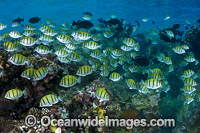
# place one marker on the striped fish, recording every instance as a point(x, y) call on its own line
point(18, 59)
point(188, 89)
point(15, 34)
point(102, 94)
point(9, 46)
point(61, 53)
point(63, 38)
point(92, 45)
point(153, 83)
point(114, 76)
point(27, 41)
point(29, 33)
point(131, 83)
point(50, 32)
point(49, 100)
point(74, 57)
point(188, 73)
point(40, 73)
point(28, 73)
point(84, 70)
point(2, 26)
point(14, 94)
point(168, 60)
point(29, 27)
point(179, 50)
point(64, 60)
point(69, 81)
point(84, 36)
point(190, 81)
point(41, 49)
point(129, 42)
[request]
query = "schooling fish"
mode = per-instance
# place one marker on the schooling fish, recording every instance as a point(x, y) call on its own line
point(34, 20)
point(153, 22)
point(83, 24)
point(19, 20)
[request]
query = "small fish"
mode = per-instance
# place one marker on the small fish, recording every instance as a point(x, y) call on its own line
point(14, 94)
point(153, 22)
point(61, 53)
point(87, 15)
point(170, 33)
point(186, 98)
point(18, 59)
point(50, 32)
point(114, 76)
point(84, 36)
point(105, 72)
point(29, 33)
point(49, 100)
point(40, 73)
point(29, 27)
point(19, 20)
point(69, 81)
point(189, 59)
point(185, 46)
point(131, 83)
point(188, 89)
point(64, 60)
point(9, 46)
point(190, 81)
point(63, 38)
point(28, 73)
point(34, 20)
point(42, 49)
point(2, 26)
point(129, 42)
point(28, 41)
point(153, 83)
point(84, 71)
point(15, 34)
point(15, 24)
point(179, 50)
point(145, 19)
point(167, 17)
point(92, 45)
point(188, 73)
point(74, 57)
point(102, 94)
point(168, 60)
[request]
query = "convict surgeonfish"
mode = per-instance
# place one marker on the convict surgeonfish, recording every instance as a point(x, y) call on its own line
point(28, 73)
point(102, 94)
point(49, 100)
point(40, 73)
point(14, 94)
point(18, 59)
point(69, 81)
point(84, 71)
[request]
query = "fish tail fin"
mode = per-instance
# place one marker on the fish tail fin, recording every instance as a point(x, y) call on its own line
point(60, 98)
point(22, 19)
point(2, 73)
point(73, 23)
point(79, 80)
point(25, 92)
point(28, 63)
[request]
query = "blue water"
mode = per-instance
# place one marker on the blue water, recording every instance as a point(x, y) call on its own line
point(67, 10)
